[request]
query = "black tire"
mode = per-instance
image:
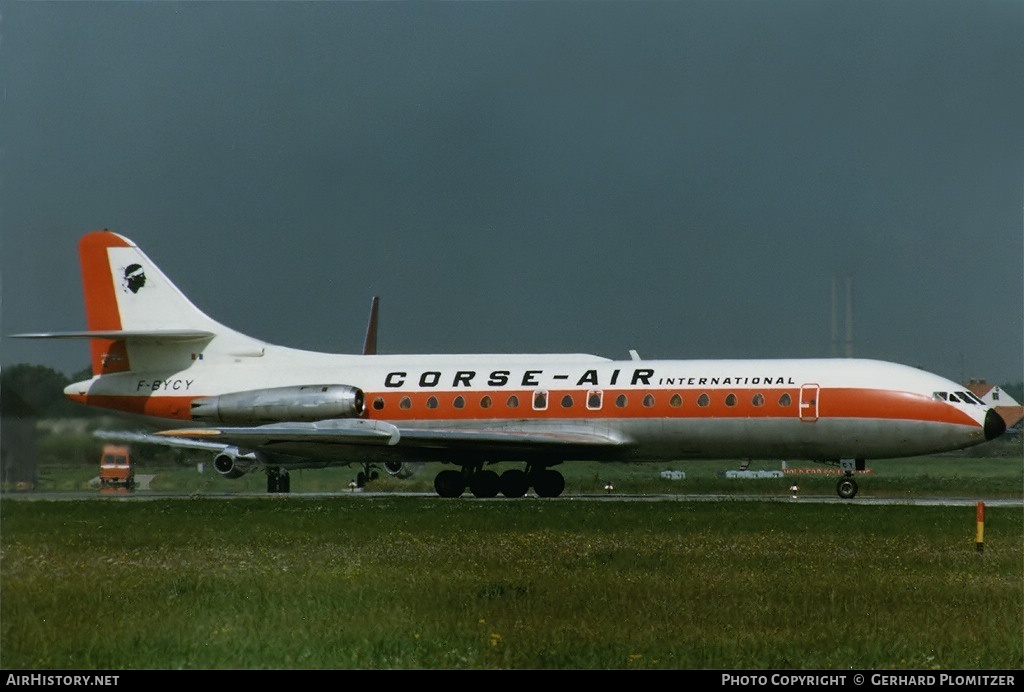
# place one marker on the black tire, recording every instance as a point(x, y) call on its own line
point(449, 483)
point(847, 488)
point(484, 483)
point(514, 483)
point(548, 483)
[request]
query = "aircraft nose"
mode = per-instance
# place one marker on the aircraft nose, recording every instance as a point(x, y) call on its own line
point(994, 425)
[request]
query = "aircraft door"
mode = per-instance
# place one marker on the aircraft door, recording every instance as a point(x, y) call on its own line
point(809, 402)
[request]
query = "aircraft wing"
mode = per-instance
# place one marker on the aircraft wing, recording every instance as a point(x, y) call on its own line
point(340, 431)
point(369, 433)
point(166, 439)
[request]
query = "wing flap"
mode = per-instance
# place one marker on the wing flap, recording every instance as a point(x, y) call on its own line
point(525, 437)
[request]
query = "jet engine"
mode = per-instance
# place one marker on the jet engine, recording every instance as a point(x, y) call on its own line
point(231, 463)
point(301, 403)
point(402, 469)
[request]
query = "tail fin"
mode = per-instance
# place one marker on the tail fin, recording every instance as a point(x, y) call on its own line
point(137, 318)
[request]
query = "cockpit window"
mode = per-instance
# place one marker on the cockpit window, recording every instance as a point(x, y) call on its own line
point(961, 397)
point(971, 398)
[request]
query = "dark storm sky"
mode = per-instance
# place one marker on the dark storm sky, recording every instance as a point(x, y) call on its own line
point(683, 178)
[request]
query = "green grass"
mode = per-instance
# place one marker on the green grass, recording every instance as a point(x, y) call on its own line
point(359, 582)
point(396, 582)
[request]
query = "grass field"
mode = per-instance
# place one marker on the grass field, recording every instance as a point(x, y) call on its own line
point(397, 582)
point(226, 577)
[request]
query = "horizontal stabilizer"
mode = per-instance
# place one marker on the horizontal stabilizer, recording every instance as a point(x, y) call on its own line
point(154, 335)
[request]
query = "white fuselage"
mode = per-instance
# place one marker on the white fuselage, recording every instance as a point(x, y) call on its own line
point(814, 409)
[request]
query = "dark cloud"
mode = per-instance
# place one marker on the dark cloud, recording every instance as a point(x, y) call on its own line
point(684, 178)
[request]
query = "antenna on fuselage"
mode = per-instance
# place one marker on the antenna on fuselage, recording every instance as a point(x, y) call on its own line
point(370, 343)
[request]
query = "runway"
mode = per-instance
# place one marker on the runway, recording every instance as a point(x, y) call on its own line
point(360, 495)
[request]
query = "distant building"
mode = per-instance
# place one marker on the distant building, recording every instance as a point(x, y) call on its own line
point(1004, 404)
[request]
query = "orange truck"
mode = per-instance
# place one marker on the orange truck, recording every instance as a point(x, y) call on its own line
point(117, 470)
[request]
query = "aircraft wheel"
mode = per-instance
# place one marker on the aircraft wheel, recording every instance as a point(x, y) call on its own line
point(847, 488)
point(484, 483)
point(548, 483)
point(449, 483)
point(514, 483)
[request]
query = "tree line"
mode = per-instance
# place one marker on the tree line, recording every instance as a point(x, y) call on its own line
point(37, 390)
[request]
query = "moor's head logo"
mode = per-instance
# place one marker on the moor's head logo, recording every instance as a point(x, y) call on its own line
point(134, 277)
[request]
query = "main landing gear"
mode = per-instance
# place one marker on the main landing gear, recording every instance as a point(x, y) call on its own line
point(847, 486)
point(511, 483)
point(278, 480)
point(366, 475)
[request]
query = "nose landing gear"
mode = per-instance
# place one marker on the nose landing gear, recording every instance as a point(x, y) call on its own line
point(847, 486)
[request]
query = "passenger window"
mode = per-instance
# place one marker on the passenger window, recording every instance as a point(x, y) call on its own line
point(785, 399)
point(594, 400)
point(513, 401)
point(485, 402)
point(405, 403)
point(567, 401)
point(649, 400)
point(378, 404)
point(540, 400)
point(459, 402)
point(758, 399)
point(703, 400)
point(621, 401)
point(432, 402)
point(730, 400)
point(676, 401)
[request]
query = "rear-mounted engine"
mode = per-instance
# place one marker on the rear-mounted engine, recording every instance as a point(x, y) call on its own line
point(302, 403)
